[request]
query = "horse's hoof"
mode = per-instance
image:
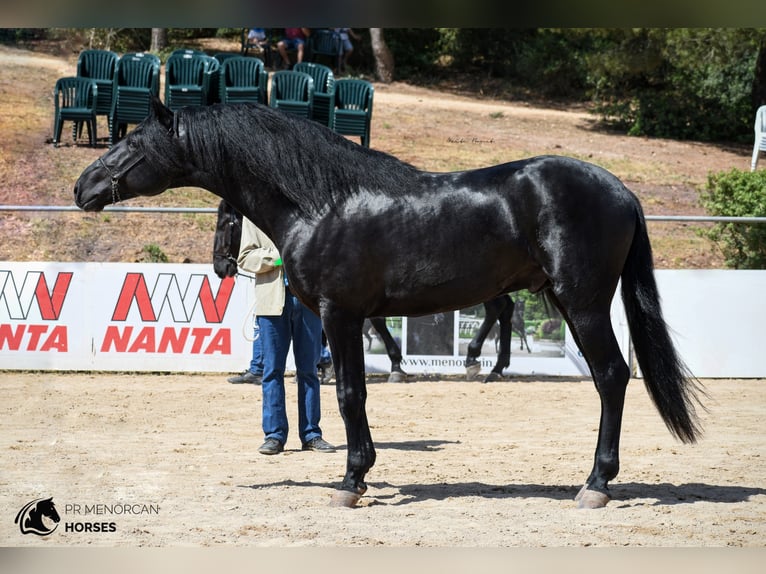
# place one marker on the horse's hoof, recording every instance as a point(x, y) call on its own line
point(472, 371)
point(492, 377)
point(397, 377)
point(587, 498)
point(345, 498)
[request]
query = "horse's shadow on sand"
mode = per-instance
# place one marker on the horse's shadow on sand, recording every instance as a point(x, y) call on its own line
point(631, 494)
point(625, 494)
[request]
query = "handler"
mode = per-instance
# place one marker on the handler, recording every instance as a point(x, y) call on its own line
point(282, 318)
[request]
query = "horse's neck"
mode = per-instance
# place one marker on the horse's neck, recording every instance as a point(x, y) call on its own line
point(258, 200)
point(270, 212)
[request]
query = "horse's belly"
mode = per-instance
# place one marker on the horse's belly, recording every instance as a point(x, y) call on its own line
point(456, 279)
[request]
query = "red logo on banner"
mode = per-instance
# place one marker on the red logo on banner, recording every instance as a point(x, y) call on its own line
point(167, 294)
point(19, 304)
point(181, 300)
point(34, 289)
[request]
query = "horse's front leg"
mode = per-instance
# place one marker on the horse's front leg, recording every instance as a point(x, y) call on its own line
point(344, 334)
point(504, 353)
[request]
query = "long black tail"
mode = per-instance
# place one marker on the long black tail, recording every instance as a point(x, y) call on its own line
point(673, 389)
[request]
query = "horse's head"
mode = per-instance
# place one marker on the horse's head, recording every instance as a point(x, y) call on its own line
point(124, 171)
point(48, 509)
point(228, 235)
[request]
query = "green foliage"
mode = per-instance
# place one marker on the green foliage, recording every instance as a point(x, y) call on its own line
point(679, 83)
point(154, 254)
point(739, 194)
point(551, 330)
point(13, 35)
point(415, 50)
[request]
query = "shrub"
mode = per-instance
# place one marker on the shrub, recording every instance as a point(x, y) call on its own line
point(154, 254)
point(739, 194)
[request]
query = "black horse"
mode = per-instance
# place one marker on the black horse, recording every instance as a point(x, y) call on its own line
point(363, 234)
point(226, 243)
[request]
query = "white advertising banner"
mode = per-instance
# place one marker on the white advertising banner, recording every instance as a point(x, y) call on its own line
point(182, 318)
point(717, 320)
point(120, 317)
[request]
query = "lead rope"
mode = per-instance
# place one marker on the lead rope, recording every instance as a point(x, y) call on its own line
point(248, 334)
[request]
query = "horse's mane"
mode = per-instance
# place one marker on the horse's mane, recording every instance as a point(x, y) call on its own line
point(308, 163)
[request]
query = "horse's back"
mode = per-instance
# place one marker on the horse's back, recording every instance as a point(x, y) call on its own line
point(549, 220)
point(556, 183)
point(462, 238)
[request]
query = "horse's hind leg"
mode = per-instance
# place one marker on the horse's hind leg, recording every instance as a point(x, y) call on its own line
point(592, 329)
point(392, 350)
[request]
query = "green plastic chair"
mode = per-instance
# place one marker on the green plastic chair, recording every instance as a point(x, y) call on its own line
point(136, 82)
point(74, 100)
point(353, 108)
point(243, 79)
point(189, 79)
point(292, 92)
point(99, 66)
point(325, 43)
point(324, 91)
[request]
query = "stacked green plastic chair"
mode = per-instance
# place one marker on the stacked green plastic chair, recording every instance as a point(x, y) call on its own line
point(243, 79)
point(292, 92)
point(136, 82)
point(191, 79)
point(74, 100)
point(324, 91)
point(325, 43)
point(353, 108)
point(99, 66)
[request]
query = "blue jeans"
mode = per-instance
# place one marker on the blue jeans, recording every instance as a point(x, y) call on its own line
point(256, 362)
point(304, 328)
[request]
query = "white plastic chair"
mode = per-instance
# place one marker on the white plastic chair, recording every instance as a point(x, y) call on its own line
point(760, 135)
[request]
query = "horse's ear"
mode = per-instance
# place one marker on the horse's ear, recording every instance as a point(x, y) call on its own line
point(161, 113)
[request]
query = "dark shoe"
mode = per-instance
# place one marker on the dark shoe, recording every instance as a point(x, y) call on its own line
point(271, 446)
point(318, 444)
point(246, 377)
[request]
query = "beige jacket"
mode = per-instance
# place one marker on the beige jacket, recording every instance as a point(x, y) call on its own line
point(257, 254)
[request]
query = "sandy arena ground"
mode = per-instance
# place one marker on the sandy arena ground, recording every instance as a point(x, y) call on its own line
point(460, 464)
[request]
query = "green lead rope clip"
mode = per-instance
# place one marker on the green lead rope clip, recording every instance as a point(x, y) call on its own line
point(278, 262)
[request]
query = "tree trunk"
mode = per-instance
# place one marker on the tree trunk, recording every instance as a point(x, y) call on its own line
point(384, 61)
point(159, 39)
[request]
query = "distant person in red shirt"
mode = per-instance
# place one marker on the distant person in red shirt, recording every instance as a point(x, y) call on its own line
point(295, 39)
